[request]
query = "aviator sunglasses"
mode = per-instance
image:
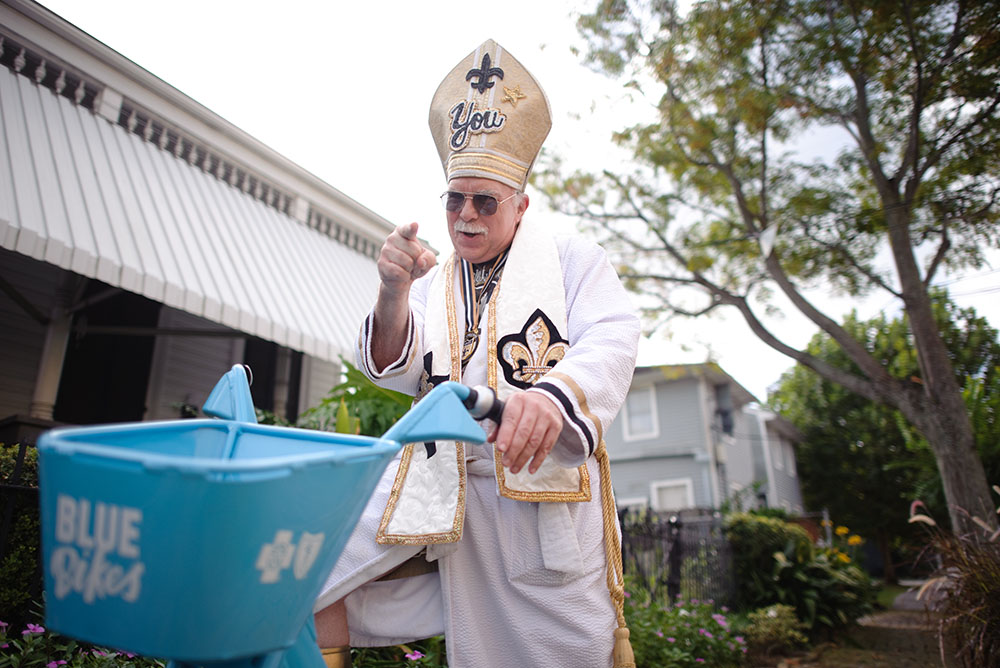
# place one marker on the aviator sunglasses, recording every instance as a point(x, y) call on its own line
point(486, 205)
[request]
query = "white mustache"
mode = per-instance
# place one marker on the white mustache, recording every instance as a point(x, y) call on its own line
point(470, 228)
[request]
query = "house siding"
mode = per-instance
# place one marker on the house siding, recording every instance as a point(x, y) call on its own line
point(634, 479)
point(21, 336)
point(318, 378)
point(681, 424)
point(186, 368)
point(786, 482)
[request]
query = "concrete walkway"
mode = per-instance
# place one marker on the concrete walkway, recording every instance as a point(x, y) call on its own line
point(907, 634)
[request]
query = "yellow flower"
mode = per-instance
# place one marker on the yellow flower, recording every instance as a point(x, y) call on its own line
point(855, 540)
point(842, 531)
point(829, 523)
point(843, 557)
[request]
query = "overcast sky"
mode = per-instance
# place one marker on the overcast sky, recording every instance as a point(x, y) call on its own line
point(325, 83)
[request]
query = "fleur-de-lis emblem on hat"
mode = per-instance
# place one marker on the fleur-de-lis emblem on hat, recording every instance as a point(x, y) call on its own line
point(485, 72)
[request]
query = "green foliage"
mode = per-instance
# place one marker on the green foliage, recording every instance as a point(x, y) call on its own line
point(35, 647)
point(861, 460)
point(755, 540)
point(8, 461)
point(375, 408)
point(776, 562)
point(727, 201)
point(774, 631)
point(429, 653)
point(969, 577)
point(686, 635)
point(20, 565)
point(827, 592)
point(356, 406)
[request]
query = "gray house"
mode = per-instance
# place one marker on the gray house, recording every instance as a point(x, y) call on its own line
point(147, 245)
point(690, 436)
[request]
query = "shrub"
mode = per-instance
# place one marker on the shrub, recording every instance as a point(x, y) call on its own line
point(687, 634)
point(775, 562)
point(969, 575)
point(34, 646)
point(755, 539)
point(826, 592)
point(20, 565)
point(774, 630)
point(428, 653)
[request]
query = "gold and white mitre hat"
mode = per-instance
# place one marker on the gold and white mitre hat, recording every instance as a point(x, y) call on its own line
point(489, 118)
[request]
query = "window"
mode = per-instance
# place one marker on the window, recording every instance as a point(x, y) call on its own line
point(790, 459)
point(674, 494)
point(640, 415)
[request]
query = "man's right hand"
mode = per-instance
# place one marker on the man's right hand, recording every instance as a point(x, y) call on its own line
point(403, 259)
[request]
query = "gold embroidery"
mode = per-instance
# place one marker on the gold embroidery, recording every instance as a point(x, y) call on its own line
point(512, 95)
point(532, 357)
point(583, 491)
point(455, 533)
point(581, 400)
point(454, 343)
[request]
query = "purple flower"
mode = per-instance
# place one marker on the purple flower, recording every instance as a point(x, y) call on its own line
point(33, 628)
point(659, 634)
point(671, 639)
point(699, 660)
point(739, 639)
point(4, 625)
point(98, 652)
point(414, 655)
point(55, 664)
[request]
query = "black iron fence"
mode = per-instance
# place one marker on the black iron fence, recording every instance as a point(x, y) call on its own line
point(684, 554)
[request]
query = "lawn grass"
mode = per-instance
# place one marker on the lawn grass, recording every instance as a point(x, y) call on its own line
point(887, 593)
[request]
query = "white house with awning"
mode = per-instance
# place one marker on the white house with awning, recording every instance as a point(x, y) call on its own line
point(147, 245)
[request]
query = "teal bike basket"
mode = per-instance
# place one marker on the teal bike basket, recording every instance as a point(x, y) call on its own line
point(208, 540)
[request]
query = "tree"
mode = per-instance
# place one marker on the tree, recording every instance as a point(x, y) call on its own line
point(859, 458)
point(721, 210)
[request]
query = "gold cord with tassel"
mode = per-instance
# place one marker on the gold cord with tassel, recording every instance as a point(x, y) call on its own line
point(623, 656)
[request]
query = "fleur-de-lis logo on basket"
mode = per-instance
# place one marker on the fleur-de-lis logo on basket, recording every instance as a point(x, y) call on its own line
point(532, 352)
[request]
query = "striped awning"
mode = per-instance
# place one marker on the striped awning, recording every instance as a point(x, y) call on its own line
point(82, 193)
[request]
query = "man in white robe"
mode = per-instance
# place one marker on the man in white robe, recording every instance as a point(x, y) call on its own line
point(521, 530)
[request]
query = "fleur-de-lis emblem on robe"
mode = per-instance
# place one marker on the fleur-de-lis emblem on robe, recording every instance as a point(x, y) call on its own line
point(532, 352)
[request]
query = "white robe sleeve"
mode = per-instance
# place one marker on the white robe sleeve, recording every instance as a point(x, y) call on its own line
point(403, 373)
point(590, 383)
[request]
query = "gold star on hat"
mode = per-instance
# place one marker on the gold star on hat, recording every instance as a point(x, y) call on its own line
point(512, 95)
point(473, 135)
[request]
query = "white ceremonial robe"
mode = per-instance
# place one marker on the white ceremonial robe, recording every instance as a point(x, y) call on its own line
point(526, 584)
